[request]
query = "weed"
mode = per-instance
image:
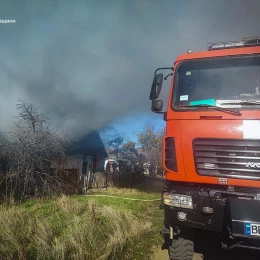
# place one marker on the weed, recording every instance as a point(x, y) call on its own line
point(66, 229)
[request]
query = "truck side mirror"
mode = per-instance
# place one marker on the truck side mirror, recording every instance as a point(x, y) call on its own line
point(157, 105)
point(156, 86)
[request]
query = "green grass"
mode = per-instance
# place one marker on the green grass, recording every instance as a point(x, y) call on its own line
point(137, 248)
point(83, 227)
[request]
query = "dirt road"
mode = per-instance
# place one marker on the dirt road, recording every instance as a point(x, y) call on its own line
point(160, 254)
point(214, 254)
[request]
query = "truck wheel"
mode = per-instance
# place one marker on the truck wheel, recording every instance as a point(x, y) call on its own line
point(181, 249)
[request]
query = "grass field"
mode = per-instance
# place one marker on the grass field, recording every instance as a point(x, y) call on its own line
point(84, 227)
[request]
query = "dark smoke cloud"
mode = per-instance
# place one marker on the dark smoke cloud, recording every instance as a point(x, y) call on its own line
point(87, 63)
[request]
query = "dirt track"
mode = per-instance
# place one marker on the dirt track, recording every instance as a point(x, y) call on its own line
point(213, 254)
point(163, 255)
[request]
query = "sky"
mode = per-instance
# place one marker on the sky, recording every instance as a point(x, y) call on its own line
point(89, 64)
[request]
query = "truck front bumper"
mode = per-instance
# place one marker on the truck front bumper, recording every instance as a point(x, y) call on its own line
point(231, 213)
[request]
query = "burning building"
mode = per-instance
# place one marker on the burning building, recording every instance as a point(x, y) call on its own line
point(89, 153)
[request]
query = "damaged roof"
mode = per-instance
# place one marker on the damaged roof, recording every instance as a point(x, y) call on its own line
point(90, 144)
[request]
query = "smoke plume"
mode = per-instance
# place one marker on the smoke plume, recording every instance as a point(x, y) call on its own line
point(87, 63)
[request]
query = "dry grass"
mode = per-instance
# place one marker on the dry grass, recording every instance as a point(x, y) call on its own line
point(149, 189)
point(71, 206)
point(127, 193)
point(66, 229)
point(124, 191)
point(132, 228)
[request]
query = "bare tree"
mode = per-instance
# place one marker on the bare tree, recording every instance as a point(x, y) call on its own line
point(150, 140)
point(33, 151)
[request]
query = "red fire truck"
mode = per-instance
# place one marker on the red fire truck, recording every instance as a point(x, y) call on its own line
point(211, 148)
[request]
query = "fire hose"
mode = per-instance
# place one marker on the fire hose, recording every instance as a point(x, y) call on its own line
point(117, 197)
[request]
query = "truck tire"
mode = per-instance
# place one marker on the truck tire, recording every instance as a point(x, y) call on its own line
point(181, 249)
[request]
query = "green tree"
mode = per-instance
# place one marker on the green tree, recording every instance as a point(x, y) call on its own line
point(129, 152)
point(115, 144)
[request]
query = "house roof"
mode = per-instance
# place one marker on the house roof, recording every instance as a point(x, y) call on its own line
point(90, 144)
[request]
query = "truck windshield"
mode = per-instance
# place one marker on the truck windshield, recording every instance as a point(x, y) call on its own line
point(227, 82)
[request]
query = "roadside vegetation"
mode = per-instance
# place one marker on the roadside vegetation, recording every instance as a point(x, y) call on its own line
point(82, 227)
point(38, 222)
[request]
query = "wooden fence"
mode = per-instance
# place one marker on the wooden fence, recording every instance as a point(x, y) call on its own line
point(107, 179)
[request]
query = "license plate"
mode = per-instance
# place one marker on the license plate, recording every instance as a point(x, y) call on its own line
point(252, 229)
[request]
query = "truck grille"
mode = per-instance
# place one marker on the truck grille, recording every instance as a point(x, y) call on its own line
point(235, 158)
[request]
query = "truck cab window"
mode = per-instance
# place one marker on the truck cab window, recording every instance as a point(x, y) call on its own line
point(219, 79)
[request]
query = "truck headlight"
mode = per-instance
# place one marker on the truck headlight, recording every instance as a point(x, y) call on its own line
point(178, 200)
point(186, 202)
point(172, 199)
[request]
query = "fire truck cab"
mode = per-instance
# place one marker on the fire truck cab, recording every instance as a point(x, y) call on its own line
point(211, 148)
